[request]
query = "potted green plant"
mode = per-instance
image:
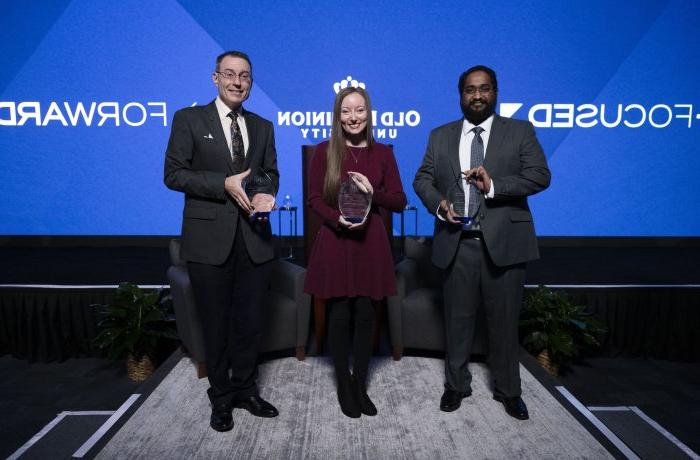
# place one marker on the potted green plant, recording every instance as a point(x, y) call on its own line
point(132, 327)
point(555, 329)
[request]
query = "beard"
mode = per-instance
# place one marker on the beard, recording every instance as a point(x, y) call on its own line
point(477, 117)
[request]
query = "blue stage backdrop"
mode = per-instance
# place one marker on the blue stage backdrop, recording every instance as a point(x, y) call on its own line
point(88, 90)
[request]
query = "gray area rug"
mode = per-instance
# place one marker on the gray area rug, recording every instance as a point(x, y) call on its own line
point(173, 422)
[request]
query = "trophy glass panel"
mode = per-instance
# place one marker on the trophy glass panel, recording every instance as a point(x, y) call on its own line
point(354, 204)
point(261, 193)
point(456, 198)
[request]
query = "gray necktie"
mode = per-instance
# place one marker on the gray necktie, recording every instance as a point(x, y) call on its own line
point(476, 160)
point(237, 147)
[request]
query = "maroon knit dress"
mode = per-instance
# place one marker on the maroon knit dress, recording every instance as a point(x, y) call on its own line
point(353, 263)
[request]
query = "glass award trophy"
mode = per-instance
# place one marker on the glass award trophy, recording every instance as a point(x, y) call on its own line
point(457, 200)
point(261, 193)
point(354, 204)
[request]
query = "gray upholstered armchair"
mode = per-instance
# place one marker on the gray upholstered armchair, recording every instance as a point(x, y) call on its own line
point(287, 309)
point(416, 318)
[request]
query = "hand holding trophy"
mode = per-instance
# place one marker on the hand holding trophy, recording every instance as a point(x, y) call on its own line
point(261, 192)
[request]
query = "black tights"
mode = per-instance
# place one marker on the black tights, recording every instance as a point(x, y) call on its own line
point(340, 310)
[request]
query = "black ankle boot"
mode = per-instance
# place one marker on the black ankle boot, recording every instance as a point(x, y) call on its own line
point(367, 407)
point(347, 398)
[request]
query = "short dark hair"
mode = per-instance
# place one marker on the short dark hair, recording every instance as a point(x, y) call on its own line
point(491, 73)
point(238, 54)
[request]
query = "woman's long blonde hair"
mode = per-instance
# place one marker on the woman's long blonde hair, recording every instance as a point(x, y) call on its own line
point(337, 148)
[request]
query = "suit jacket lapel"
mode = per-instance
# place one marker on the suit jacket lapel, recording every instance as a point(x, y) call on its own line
point(496, 137)
point(453, 148)
point(218, 132)
point(251, 127)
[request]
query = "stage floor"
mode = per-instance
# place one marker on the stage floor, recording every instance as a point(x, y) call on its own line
point(662, 390)
point(173, 421)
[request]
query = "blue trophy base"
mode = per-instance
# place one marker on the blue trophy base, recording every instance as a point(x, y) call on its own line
point(260, 215)
point(465, 220)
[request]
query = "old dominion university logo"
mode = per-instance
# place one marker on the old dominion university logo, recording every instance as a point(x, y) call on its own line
point(317, 125)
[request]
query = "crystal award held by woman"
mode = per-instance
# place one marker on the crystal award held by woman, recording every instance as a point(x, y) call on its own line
point(353, 202)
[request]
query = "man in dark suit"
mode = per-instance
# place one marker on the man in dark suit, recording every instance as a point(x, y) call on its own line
point(211, 150)
point(475, 177)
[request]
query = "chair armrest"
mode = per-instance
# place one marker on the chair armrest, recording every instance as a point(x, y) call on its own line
point(189, 326)
point(174, 250)
point(393, 306)
point(406, 272)
point(407, 276)
point(288, 279)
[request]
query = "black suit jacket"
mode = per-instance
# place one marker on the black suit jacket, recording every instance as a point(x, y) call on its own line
point(516, 163)
point(197, 162)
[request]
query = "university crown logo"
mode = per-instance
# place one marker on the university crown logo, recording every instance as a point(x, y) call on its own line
point(337, 86)
point(316, 125)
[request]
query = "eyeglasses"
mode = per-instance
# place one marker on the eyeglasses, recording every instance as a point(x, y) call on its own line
point(243, 76)
point(483, 89)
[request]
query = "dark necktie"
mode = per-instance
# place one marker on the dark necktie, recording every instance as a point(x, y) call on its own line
point(237, 147)
point(476, 160)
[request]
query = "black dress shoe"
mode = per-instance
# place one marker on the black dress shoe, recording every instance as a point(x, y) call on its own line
point(257, 406)
point(515, 406)
point(221, 418)
point(347, 398)
point(367, 407)
point(451, 399)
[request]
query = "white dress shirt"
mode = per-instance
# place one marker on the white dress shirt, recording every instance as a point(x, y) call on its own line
point(226, 122)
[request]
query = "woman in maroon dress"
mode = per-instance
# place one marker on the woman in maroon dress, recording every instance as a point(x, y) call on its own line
point(351, 263)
